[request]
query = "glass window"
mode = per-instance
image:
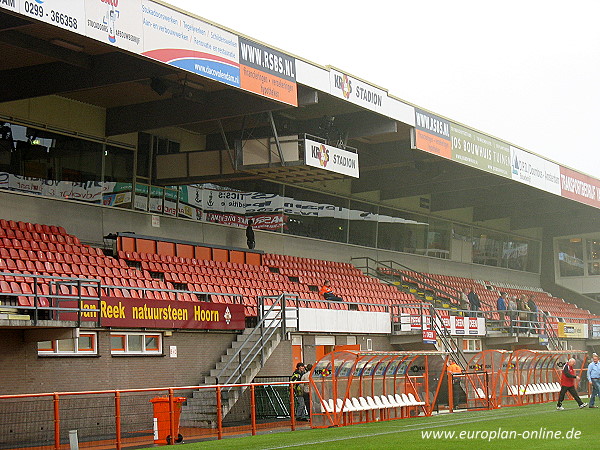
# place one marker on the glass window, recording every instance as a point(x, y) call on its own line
point(136, 343)
point(363, 224)
point(438, 239)
point(396, 232)
point(487, 247)
point(315, 215)
point(570, 257)
point(85, 344)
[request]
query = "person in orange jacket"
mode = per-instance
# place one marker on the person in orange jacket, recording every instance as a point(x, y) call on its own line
point(327, 292)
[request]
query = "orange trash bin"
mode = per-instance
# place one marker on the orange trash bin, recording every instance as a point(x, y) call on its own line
point(162, 419)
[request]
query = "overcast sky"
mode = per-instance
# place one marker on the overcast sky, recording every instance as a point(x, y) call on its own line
point(527, 72)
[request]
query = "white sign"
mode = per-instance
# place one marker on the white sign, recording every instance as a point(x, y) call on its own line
point(190, 44)
point(330, 158)
point(116, 22)
point(173, 351)
point(355, 91)
point(535, 171)
point(65, 14)
point(456, 325)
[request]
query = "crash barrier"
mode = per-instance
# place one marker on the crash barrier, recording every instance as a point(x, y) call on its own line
point(144, 417)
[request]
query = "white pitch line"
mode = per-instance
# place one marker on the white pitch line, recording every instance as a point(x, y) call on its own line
point(405, 428)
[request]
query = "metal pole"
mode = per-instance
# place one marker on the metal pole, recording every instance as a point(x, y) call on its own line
point(219, 414)
point(253, 409)
point(292, 408)
point(172, 418)
point(56, 422)
point(118, 419)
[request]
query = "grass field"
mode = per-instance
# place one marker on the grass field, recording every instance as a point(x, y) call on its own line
point(535, 426)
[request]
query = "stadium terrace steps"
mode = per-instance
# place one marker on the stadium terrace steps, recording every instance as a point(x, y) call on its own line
point(200, 409)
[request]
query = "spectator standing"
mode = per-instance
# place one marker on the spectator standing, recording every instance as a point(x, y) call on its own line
point(512, 312)
point(250, 235)
point(593, 374)
point(464, 299)
point(306, 388)
point(567, 384)
point(474, 302)
point(523, 313)
point(533, 315)
point(501, 307)
point(327, 292)
point(298, 393)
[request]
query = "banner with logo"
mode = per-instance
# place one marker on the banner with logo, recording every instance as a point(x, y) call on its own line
point(358, 92)
point(579, 187)
point(456, 325)
point(330, 158)
point(116, 22)
point(146, 313)
point(572, 330)
point(429, 337)
point(268, 72)
point(190, 44)
point(432, 134)
point(535, 171)
point(480, 151)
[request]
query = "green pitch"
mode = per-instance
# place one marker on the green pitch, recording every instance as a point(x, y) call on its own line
point(535, 426)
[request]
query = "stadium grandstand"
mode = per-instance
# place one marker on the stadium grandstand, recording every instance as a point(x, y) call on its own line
point(137, 141)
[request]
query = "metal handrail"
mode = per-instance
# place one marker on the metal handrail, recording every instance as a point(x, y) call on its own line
point(243, 364)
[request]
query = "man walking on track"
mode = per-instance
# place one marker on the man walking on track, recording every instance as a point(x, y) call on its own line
point(567, 384)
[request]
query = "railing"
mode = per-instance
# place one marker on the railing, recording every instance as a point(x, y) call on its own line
point(270, 321)
point(123, 418)
point(451, 293)
point(47, 306)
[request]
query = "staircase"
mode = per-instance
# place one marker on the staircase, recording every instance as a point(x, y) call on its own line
point(239, 365)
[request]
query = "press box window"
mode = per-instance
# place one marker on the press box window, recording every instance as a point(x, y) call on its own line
point(136, 344)
point(86, 344)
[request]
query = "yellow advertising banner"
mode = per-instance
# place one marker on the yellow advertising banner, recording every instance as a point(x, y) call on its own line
point(572, 330)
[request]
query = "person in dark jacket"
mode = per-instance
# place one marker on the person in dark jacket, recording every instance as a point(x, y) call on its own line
point(300, 412)
point(250, 235)
point(567, 384)
point(474, 302)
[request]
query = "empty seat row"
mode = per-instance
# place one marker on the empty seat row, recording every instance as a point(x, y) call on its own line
point(533, 389)
point(368, 403)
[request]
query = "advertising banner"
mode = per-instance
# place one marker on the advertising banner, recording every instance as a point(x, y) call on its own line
point(190, 44)
point(429, 337)
point(356, 91)
point(579, 187)
point(145, 313)
point(432, 134)
point(456, 325)
point(65, 14)
point(268, 72)
point(572, 330)
point(117, 22)
point(535, 171)
point(480, 151)
point(330, 158)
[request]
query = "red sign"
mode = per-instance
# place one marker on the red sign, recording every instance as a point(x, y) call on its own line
point(579, 187)
point(145, 313)
point(460, 325)
point(429, 337)
point(415, 322)
point(473, 325)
